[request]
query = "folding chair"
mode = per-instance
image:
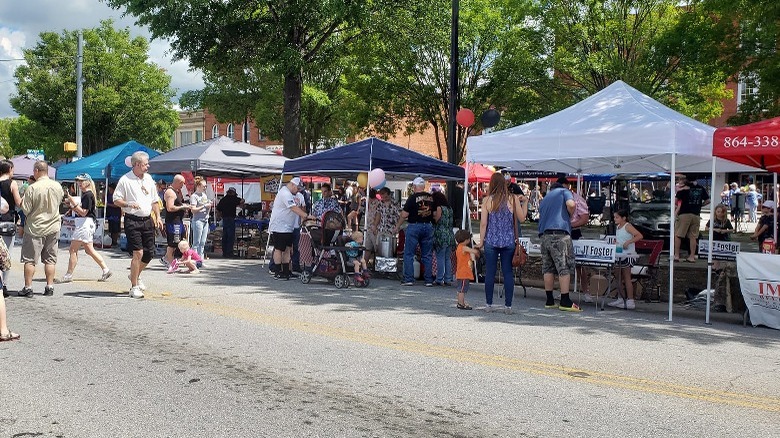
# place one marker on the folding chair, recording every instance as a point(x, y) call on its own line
point(647, 269)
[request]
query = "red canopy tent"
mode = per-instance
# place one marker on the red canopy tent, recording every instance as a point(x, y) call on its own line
point(478, 173)
point(756, 144)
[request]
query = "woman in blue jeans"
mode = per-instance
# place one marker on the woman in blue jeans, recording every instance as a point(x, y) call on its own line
point(443, 240)
point(201, 205)
point(500, 213)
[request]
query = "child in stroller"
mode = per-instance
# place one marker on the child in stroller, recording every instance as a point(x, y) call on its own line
point(329, 252)
point(355, 254)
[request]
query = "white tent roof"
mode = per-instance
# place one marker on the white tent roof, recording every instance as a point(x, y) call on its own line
point(220, 156)
point(617, 130)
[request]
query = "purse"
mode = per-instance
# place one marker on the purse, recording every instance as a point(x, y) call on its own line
point(521, 256)
point(7, 229)
point(5, 258)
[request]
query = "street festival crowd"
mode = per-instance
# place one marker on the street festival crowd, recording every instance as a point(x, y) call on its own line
point(430, 219)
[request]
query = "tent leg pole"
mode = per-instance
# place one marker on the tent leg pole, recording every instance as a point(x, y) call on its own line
point(711, 235)
point(673, 196)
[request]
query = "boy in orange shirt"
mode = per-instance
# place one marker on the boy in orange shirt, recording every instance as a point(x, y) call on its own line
point(464, 272)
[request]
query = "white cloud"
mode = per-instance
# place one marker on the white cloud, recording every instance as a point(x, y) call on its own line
point(22, 21)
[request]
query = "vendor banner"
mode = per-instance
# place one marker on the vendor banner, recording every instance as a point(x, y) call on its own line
point(721, 250)
point(759, 280)
point(594, 252)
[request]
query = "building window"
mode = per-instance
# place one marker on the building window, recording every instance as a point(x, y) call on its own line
point(230, 132)
point(747, 89)
point(185, 137)
point(245, 133)
point(215, 131)
point(198, 135)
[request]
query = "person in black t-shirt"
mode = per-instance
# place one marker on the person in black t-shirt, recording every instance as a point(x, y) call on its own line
point(419, 211)
point(690, 200)
point(86, 226)
point(227, 211)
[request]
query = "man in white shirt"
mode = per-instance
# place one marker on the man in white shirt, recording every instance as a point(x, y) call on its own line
point(285, 215)
point(137, 195)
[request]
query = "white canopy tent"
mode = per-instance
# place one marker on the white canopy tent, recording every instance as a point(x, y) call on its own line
point(617, 130)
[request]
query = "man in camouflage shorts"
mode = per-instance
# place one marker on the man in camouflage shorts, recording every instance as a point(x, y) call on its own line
point(555, 212)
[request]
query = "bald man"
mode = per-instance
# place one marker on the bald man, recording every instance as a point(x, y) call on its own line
point(174, 217)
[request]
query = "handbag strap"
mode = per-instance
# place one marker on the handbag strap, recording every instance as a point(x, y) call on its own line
point(514, 218)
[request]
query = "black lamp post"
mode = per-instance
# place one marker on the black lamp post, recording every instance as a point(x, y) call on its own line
point(452, 129)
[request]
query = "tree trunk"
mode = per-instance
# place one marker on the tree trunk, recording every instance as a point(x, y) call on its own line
point(293, 89)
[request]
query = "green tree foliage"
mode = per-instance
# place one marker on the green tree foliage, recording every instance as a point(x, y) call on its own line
point(5, 140)
point(231, 38)
point(662, 47)
point(125, 96)
point(406, 64)
point(24, 134)
point(753, 52)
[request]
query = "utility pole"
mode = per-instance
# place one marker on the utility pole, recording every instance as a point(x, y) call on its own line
point(79, 92)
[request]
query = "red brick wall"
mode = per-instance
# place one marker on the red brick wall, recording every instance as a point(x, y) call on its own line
point(729, 107)
point(254, 133)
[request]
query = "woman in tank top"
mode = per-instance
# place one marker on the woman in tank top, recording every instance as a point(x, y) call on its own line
point(84, 234)
point(497, 237)
point(626, 236)
point(9, 191)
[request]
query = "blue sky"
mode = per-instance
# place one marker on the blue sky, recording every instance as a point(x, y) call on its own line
point(21, 21)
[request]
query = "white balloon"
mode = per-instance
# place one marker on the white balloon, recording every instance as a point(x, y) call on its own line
point(376, 177)
point(128, 163)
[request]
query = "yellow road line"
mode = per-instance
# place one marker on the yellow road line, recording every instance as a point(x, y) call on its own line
point(763, 403)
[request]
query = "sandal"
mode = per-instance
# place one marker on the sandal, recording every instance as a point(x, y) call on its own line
point(464, 306)
point(11, 336)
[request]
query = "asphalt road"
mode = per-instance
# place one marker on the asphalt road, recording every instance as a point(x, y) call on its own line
point(233, 353)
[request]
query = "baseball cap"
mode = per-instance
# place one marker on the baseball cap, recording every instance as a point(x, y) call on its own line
point(231, 190)
point(83, 177)
point(769, 204)
point(418, 181)
point(296, 181)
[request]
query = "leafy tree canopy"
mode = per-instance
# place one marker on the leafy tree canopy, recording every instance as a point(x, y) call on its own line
point(124, 97)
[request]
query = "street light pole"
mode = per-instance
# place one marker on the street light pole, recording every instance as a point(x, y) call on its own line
point(452, 128)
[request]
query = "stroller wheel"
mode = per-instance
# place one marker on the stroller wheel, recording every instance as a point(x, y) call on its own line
point(364, 283)
point(305, 276)
point(341, 281)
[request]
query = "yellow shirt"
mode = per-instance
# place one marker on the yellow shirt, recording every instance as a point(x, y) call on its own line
point(41, 204)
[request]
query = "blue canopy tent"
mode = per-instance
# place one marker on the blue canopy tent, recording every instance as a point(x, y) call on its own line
point(105, 165)
point(362, 156)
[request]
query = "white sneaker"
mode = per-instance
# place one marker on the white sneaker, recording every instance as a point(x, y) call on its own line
point(630, 304)
point(508, 311)
point(617, 303)
point(66, 279)
point(488, 308)
point(141, 284)
point(588, 298)
point(135, 292)
point(106, 274)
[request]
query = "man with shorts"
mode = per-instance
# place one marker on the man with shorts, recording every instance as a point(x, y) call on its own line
point(555, 213)
point(41, 203)
point(690, 200)
point(136, 195)
point(284, 215)
point(174, 217)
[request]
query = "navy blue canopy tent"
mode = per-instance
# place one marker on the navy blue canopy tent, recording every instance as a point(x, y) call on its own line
point(104, 165)
point(397, 162)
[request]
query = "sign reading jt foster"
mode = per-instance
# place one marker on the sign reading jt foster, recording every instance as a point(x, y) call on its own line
point(594, 252)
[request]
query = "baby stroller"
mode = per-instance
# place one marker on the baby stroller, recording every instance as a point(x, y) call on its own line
point(327, 257)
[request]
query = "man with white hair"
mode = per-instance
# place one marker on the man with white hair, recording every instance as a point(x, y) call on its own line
point(284, 218)
point(137, 196)
point(419, 211)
